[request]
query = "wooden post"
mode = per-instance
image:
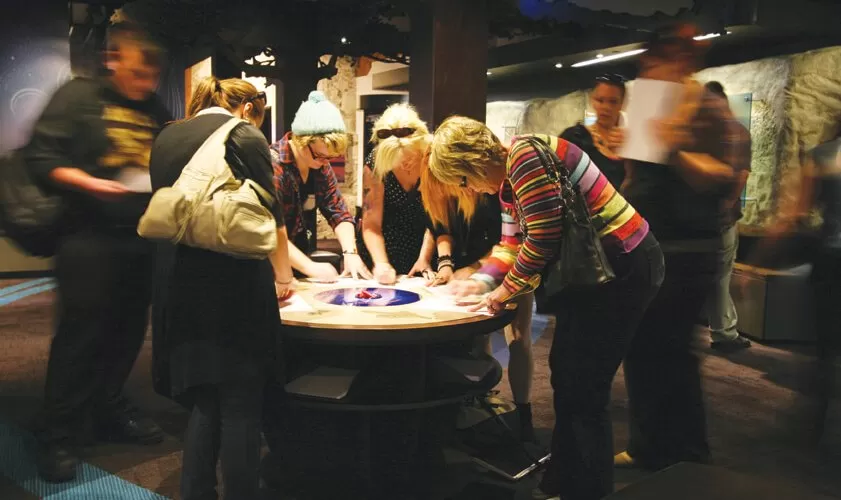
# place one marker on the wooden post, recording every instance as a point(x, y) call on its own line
point(448, 71)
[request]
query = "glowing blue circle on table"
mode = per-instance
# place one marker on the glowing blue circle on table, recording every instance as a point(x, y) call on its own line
point(367, 297)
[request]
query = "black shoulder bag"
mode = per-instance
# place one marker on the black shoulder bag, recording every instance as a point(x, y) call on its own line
point(581, 260)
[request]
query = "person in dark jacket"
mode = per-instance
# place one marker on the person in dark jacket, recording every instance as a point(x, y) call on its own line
point(91, 144)
point(602, 140)
point(216, 318)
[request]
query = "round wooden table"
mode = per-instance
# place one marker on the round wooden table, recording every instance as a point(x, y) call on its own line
point(372, 391)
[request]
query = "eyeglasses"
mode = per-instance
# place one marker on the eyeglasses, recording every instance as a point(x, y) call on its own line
point(259, 95)
point(396, 132)
point(318, 156)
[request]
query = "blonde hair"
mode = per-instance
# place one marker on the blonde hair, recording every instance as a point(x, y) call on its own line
point(389, 150)
point(336, 142)
point(230, 94)
point(462, 148)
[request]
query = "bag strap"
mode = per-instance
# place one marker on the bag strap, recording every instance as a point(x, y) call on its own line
point(213, 147)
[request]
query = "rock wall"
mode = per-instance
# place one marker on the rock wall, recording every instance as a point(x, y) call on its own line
point(341, 90)
point(812, 113)
point(766, 79)
point(553, 116)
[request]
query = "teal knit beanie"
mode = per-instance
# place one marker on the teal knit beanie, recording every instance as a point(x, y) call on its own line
point(317, 116)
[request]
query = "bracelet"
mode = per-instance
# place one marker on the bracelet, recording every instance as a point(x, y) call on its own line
point(349, 252)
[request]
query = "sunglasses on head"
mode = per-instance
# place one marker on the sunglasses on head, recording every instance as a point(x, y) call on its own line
point(396, 132)
point(613, 78)
point(259, 95)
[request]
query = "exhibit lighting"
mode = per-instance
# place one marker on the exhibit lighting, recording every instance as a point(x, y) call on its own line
point(488, 73)
point(611, 57)
point(559, 65)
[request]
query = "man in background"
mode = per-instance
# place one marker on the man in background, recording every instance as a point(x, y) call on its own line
point(91, 145)
point(720, 310)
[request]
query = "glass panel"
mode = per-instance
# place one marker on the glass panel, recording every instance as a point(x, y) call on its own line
point(741, 105)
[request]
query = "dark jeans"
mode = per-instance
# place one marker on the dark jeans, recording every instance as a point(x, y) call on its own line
point(226, 420)
point(592, 334)
point(104, 290)
point(826, 289)
point(667, 421)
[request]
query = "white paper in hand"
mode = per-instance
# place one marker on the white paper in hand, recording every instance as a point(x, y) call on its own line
point(135, 179)
point(650, 100)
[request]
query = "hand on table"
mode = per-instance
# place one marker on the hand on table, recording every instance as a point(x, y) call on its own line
point(384, 273)
point(322, 271)
point(355, 268)
point(494, 301)
point(442, 277)
point(464, 288)
point(423, 268)
point(284, 290)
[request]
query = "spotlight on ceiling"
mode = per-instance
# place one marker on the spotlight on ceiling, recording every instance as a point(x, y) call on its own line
point(344, 41)
point(559, 65)
point(599, 56)
point(611, 57)
point(488, 73)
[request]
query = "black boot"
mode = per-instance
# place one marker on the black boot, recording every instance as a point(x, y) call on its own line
point(526, 427)
point(56, 463)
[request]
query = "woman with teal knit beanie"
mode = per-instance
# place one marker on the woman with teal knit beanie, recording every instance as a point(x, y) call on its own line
point(306, 181)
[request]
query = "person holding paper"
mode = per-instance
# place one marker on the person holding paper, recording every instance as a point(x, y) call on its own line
point(602, 140)
point(683, 199)
point(595, 324)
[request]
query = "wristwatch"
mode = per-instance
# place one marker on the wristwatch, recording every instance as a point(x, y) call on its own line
point(350, 252)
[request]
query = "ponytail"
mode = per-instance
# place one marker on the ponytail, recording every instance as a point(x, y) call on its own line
point(228, 94)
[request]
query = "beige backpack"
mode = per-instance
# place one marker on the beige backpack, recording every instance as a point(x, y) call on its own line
point(209, 208)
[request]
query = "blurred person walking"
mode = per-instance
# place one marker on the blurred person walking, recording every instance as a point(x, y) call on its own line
point(92, 134)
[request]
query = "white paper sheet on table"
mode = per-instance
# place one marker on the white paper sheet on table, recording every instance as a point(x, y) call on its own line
point(649, 100)
point(295, 303)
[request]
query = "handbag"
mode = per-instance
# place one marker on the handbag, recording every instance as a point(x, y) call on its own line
point(581, 261)
point(29, 216)
point(209, 208)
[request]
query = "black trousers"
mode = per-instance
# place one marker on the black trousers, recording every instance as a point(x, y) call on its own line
point(593, 331)
point(226, 420)
point(104, 291)
point(667, 420)
point(826, 293)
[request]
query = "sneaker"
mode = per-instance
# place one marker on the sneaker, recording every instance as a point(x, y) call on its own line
point(128, 425)
point(56, 464)
point(736, 344)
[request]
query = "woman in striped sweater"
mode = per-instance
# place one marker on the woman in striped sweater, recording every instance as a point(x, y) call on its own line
point(597, 324)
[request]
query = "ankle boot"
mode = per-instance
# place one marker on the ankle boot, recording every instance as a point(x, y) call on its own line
point(526, 427)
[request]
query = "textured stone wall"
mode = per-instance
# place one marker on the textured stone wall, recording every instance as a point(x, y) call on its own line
point(766, 79)
point(553, 116)
point(812, 113)
point(341, 90)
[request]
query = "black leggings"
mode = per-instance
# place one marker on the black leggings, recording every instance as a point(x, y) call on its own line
point(226, 418)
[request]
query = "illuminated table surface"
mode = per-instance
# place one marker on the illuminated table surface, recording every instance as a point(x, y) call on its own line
point(433, 317)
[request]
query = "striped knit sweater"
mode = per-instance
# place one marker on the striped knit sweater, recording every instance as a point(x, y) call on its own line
point(518, 259)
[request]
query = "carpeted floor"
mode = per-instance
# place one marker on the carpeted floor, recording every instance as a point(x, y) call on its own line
point(756, 416)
